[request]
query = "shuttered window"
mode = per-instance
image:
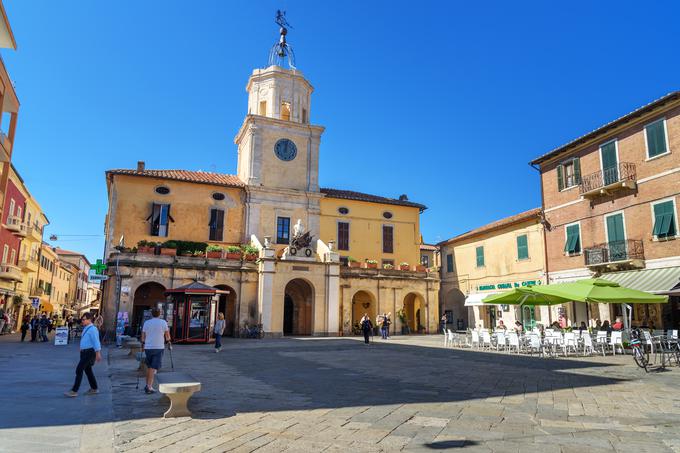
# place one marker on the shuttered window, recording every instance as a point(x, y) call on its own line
point(449, 263)
point(522, 247)
point(343, 236)
point(569, 173)
point(159, 219)
point(664, 220)
point(282, 230)
point(388, 239)
point(216, 225)
point(480, 256)
point(573, 243)
point(656, 138)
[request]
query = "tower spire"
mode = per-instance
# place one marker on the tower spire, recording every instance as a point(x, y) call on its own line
point(282, 51)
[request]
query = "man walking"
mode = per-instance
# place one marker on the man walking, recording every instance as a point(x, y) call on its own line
point(35, 325)
point(44, 322)
point(90, 352)
point(155, 333)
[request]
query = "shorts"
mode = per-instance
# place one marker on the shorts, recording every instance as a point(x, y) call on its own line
point(154, 358)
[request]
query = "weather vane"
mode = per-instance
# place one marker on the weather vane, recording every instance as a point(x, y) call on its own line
point(281, 50)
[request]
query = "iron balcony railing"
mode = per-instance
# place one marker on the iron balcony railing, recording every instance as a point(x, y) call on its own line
point(612, 252)
point(624, 171)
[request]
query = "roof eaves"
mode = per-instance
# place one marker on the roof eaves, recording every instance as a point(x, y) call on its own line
point(608, 126)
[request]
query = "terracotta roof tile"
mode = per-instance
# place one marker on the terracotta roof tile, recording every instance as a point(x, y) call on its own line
point(498, 224)
point(358, 196)
point(202, 177)
point(428, 247)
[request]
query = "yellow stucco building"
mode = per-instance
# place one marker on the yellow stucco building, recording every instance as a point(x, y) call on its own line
point(496, 257)
point(314, 259)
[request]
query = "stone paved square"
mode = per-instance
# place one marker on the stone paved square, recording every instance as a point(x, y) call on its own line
point(321, 394)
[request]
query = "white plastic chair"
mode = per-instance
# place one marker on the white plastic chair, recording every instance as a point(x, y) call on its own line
point(648, 340)
point(534, 344)
point(500, 340)
point(486, 339)
point(450, 337)
point(602, 341)
point(616, 340)
point(588, 348)
point(569, 342)
point(513, 341)
point(672, 334)
point(475, 339)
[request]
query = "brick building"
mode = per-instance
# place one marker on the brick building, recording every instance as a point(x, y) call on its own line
point(610, 205)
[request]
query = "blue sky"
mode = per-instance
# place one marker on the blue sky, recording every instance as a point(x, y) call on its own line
point(444, 101)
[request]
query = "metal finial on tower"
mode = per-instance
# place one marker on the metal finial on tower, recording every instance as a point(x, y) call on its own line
point(281, 50)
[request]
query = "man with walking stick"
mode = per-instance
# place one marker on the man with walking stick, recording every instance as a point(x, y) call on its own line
point(155, 333)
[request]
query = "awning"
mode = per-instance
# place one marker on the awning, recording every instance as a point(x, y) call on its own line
point(657, 281)
point(46, 307)
point(475, 299)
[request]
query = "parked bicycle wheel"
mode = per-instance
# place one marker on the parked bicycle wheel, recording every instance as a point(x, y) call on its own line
point(641, 358)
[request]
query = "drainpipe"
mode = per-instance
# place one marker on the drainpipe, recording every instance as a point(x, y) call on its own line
point(545, 242)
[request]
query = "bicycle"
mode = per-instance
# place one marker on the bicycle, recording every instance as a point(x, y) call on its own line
point(640, 354)
point(252, 332)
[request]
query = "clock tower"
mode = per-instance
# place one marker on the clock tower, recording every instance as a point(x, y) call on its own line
point(278, 148)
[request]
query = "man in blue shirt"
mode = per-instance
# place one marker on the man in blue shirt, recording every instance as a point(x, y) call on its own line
point(90, 351)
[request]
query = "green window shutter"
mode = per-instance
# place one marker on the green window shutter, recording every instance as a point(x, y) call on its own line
point(480, 256)
point(577, 170)
point(656, 138)
point(522, 247)
point(573, 243)
point(664, 220)
point(560, 177)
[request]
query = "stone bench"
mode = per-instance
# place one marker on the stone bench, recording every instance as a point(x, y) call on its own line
point(178, 387)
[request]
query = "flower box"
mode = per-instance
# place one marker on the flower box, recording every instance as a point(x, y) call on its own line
point(370, 265)
point(186, 254)
point(354, 264)
point(147, 250)
point(234, 255)
point(214, 254)
point(420, 268)
point(404, 267)
point(168, 252)
point(251, 257)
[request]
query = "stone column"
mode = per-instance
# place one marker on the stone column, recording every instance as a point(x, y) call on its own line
point(333, 298)
point(265, 288)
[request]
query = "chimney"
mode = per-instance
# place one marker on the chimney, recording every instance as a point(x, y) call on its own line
point(402, 197)
point(140, 166)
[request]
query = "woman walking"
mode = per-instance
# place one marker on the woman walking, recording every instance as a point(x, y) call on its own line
point(366, 327)
point(219, 330)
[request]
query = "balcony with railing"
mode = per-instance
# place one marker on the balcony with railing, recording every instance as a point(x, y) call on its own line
point(628, 254)
point(28, 264)
point(35, 232)
point(16, 226)
point(11, 273)
point(604, 182)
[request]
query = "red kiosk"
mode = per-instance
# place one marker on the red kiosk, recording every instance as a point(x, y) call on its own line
point(190, 312)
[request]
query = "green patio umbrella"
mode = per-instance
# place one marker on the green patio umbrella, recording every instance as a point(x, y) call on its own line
point(598, 290)
point(524, 296)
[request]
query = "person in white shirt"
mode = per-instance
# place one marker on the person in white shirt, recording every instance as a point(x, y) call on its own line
point(155, 333)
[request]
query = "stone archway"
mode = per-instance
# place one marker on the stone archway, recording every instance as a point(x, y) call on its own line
point(298, 307)
point(147, 296)
point(414, 309)
point(454, 302)
point(363, 302)
point(227, 306)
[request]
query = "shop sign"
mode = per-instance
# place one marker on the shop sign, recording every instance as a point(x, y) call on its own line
point(506, 285)
point(35, 302)
point(61, 337)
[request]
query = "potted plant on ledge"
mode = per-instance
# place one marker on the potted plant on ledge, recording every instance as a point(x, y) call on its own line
point(213, 251)
point(404, 266)
point(388, 266)
point(250, 252)
point(147, 247)
point(370, 264)
point(234, 252)
point(421, 268)
point(352, 262)
point(169, 248)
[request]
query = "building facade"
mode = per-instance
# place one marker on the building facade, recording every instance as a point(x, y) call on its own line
point(80, 281)
point(352, 266)
point(502, 255)
point(610, 200)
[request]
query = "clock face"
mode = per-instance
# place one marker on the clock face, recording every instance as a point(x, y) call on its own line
point(285, 149)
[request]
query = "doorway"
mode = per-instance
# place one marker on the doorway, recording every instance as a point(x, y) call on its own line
point(227, 306)
point(147, 296)
point(298, 303)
